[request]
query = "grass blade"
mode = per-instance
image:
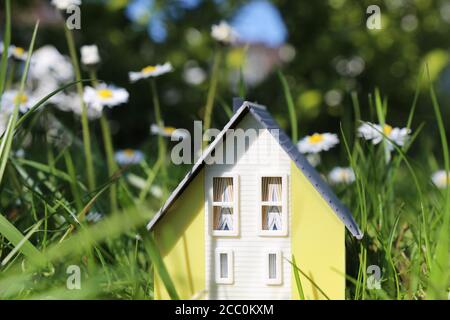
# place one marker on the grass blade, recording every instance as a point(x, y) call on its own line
point(290, 105)
point(6, 43)
point(298, 281)
point(6, 143)
point(21, 242)
point(160, 268)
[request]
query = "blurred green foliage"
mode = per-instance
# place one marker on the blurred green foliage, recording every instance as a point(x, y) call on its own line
point(324, 34)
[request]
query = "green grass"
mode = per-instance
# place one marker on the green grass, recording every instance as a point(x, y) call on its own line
point(46, 196)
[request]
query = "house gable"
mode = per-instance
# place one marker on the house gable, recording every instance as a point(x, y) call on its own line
point(317, 242)
point(181, 242)
point(265, 119)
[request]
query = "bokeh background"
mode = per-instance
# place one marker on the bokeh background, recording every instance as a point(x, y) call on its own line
point(327, 55)
point(323, 47)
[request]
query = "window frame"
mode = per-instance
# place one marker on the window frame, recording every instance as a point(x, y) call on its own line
point(284, 206)
point(278, 280)
point(230, 266)
point(225, 233)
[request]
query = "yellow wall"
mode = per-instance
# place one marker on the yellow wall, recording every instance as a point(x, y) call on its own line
point(318, 241)
point(180, 236)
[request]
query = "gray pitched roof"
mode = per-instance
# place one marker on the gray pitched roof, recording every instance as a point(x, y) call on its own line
point(263, 116)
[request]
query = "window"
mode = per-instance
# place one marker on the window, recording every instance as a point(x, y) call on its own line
point(273, 220)
point(273, 267)
point(224, 266)
point(224, 208)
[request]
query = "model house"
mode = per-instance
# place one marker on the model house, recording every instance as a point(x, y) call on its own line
point(246, 208)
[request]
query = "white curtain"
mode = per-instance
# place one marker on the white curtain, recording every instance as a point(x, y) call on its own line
point(223, 192)
point(272, 266)
point(272, 193)
point(224, 265)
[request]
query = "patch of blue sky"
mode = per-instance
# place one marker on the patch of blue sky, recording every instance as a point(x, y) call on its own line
point(157, 29)
point(260, 22)
point(138, 11)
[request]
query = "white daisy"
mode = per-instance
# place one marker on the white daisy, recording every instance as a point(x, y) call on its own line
point(64, 4)
point(90, 55)
point(374, 132)
point(341, 175)
point(25, 100)
point(48, 65)
point(72, 102)
point(104, 95)
point(223, 33)
point(18, 53)
point(441, 179)
point(317, 142)
point(168, 132)
point(128, 156)
point(150, 71)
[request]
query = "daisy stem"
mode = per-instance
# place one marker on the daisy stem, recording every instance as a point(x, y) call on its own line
point(6, 43)
point(12, 70)
point(84, 118)
point(109, 149)
point(160, 123)
point(212, 91)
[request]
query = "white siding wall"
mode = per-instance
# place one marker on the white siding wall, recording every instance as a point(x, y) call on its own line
point(263, 157)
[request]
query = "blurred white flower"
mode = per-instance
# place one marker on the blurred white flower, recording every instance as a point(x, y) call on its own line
point(374, 132)
point(72, 102)
point(64, 4)
point(47, 65)
point(11, 97)
point(104, 95)
point(150, 71)
point(350, 67)
point(341, 175)
point(90, 55)
point(128, 156)
point(333, 98)
point(317, 142)
point(441, 179)
point(168, 132)
point(18, 53)
point(19, 153)
point(223, 33)
point(4, 118)
point(156, 191)
point(193, 74)
point(313, 159)
point(94, 216)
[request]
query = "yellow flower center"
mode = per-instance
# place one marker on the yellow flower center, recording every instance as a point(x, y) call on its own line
point(105, 93)
point(446, 180)
point(315, 138)
point(148, 69)
point(169, 130)
point(19, 51)
point(20, 98)
point(387, 129)
point(129, 152)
